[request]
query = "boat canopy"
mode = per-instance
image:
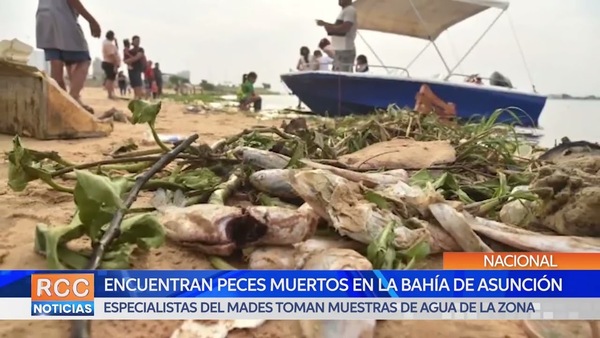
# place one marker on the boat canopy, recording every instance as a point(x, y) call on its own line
point(423, 19)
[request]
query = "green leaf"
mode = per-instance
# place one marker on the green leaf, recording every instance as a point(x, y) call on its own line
point(117, 258)
point(144, 111)
point(503, 187)
point(198, 179)
point(421, 178)
point(140, 231)
point(24, 166)
point(299, 153)
point(446, 182)
point(144, 230)
point(50, 241)
point(378, 250)
point(417, 252)
point(377, 199)
point(97, 198)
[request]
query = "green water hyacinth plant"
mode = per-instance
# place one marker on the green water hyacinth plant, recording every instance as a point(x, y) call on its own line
point(97, 199)
point(146, 112)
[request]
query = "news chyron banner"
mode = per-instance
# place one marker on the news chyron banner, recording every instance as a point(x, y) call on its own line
point(471, 286)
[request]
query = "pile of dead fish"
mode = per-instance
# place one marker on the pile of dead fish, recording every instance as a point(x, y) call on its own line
point(283, 236)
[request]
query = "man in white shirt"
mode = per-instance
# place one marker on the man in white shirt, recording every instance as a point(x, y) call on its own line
point(110, 62)
point(343, 34)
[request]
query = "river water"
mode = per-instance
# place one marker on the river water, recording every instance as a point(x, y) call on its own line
point(575, 119)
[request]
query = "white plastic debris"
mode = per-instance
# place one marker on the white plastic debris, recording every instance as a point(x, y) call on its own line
point(518, 212)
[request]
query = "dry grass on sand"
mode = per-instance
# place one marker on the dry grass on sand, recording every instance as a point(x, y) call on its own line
point(21, 212)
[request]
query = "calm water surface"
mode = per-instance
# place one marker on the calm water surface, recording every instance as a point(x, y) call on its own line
point(575, 119)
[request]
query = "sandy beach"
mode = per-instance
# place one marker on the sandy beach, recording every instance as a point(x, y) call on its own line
point(22, 211)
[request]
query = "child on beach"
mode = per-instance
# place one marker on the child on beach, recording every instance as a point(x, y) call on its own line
point(247, 95)
point(122, 80)
point(154, 89)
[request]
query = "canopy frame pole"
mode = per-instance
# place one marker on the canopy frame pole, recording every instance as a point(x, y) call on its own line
point(373, 51)
point(514, 31)
point(412, 4)
point(451, 71)
point(418, 55)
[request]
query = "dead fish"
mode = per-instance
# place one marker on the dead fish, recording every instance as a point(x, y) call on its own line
point(295, 257)
point(457, 226)
point(209, 228)
point(338, 259)
point(370, 180)
point(284, 226)
point(272, 258)
point(315, 188)
point(115, 115)
point(567, 149)
point(305, 250)
point(430, 202)
point(269, 160)
point(261, 158)
point(274, 182)
point(532, 241)
point(213, 328)
point(342, 203)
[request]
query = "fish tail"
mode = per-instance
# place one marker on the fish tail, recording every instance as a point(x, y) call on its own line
point(163, 198)
point(179, 199)
point(160, 199)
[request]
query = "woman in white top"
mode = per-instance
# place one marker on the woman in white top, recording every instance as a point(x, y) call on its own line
point(304, 61)
point(304, 64)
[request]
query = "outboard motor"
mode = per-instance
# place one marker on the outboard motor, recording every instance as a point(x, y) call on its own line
point(497, 79)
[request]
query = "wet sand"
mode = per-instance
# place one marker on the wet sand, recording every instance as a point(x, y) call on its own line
point(22, 211)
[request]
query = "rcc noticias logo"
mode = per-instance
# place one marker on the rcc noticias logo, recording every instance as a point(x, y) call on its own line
point(62, 294)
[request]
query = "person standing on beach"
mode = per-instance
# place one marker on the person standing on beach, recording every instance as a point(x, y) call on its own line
point(137, 62)
point(148, 78)
point(158, 78)
point(122, 83)
point(58, 33)
point(343, 34)
point(126, 54)
point(111, 62)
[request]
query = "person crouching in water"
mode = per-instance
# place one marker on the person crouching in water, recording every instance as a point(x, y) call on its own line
point(248, 96)
point(362, 65)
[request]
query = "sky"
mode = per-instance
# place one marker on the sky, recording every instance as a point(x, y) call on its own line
point(219, 40)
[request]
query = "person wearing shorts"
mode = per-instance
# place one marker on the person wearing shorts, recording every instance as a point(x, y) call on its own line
point(58, 33)
point(343, 34)
point(110, 63)
point(137, 61)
